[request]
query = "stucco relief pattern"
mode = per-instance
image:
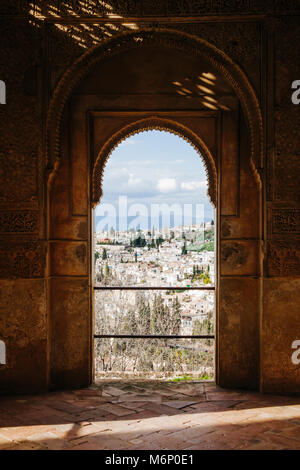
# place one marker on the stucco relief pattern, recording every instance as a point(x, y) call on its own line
point(283, 255)
point(285, 221)
point(62, 51)
point(287, 115)
point(283, 258)
point(19, 222)
point(26, 313)
point(20, 118)
point(22, 260)
point(18, 175)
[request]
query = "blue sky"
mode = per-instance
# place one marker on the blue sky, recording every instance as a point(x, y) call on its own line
point(155, 167)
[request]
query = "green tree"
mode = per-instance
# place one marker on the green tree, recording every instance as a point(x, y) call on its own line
point(159, 241)
point(184, 250)
point(206, 278)
point(130, 323)
point(96, 256)
point(160, 315)
point(209, 246)
point(139, 242)
point(176, 316)
point(197, 328)
point(104, 253)
point(106, 270)
point(206, 327)
point(144, 314)
point(209, 234)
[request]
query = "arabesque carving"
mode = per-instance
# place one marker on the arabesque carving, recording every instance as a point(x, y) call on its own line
point(287, 115)
point(22, 260)
point(19, 222)
point(20, 118)
point(285, 221)
point(283, 258)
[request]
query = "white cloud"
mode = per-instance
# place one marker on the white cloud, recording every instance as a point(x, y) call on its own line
point(140, 162)
point(129, 141)
point(167, 185)
point(133, 181)
point(193, 185)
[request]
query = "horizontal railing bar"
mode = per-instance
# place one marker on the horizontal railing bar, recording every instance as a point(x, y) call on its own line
point(156, 336)
point(153, 288)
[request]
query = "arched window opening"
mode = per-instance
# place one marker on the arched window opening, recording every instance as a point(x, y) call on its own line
point(154, 262)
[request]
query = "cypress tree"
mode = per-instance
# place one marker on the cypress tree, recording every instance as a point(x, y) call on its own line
point(176, 316)
point(106, 270)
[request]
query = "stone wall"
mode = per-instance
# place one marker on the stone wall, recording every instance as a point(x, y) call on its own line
point(40, 230)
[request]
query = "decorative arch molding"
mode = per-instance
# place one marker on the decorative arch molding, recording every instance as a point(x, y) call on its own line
point(187, 43)
point(148, 124)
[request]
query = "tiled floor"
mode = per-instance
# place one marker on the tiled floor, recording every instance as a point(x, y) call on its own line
point(150, 416)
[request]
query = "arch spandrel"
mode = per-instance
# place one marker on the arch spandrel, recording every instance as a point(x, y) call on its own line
point(191, 45)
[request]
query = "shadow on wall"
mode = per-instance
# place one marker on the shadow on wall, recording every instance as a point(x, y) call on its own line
point(84, 35)
point(206, 86)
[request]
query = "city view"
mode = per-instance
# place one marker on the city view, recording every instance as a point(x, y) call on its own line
point(154, 276)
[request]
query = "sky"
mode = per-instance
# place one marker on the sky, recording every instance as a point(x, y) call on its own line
point(153, 167)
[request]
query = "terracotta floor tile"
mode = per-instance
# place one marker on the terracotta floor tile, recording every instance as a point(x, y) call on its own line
point(178, 403)
point(150, 415)
point(161, 409)
point(116, 409)
point(138, 397)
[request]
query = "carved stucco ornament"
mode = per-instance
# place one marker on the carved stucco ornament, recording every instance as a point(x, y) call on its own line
point(190, 45)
